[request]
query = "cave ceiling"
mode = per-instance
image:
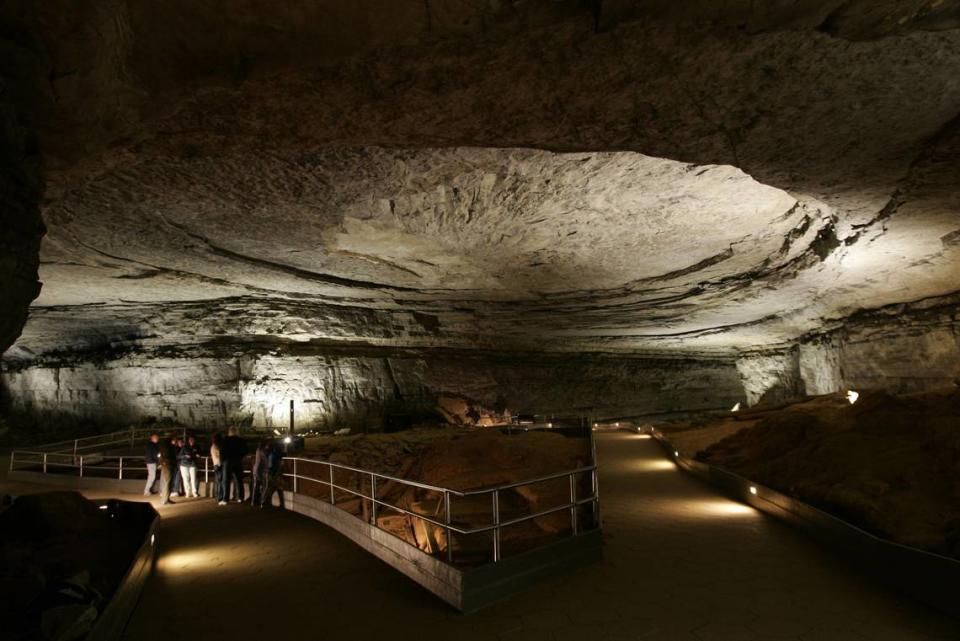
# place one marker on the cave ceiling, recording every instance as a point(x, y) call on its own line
point(500, 175)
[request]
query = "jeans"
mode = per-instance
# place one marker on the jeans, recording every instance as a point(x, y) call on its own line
point(151, 479)
point(232, 471)
point(177, 481)
point(273, 483)
point(218, 483)
point(257, 483)
point(189, 475)
point(166, 478)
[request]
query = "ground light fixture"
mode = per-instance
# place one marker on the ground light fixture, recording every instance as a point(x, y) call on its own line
point(852, 396)
point(753, 490)
point(288, 439)
point(735, 408)
point(153, 537)
point(676, 453)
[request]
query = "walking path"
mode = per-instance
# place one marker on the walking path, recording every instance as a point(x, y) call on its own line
point(681, 564)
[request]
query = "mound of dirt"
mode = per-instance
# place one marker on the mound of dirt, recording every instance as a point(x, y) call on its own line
point(889, 464)
point(460, 460)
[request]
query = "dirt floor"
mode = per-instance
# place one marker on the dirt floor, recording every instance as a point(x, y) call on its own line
point(887, 463)
point(460, 459)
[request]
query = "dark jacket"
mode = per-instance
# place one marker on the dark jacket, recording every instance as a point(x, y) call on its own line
point(188, 455)
point(151, 452)
point(168, 453)
point(233, 449)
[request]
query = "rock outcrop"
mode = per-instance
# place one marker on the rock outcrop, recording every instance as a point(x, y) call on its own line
point(707, 182)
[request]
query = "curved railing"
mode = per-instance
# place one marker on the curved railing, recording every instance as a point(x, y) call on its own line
point(581, 484)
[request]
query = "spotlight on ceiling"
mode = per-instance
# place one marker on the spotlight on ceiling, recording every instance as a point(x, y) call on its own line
point(735, 408)
point(852, 396)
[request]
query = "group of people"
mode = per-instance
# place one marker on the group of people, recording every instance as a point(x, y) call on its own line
point(176, 459)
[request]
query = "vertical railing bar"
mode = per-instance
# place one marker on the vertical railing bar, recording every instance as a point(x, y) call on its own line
point(44, 462)
point(121, 469)
point(496, 522)
point(81, 465)
point(573, 503)
point(294, 476)
point(332, 497)
point(446, 519)
point(373, 498)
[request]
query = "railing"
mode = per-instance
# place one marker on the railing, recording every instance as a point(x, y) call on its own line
point(130, 437)
point(103, 466)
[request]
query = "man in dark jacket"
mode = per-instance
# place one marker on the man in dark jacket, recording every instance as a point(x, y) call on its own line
point(168, 463)
point(150, 458)
point(232, 451)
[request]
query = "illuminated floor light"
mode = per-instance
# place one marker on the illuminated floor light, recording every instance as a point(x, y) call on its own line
point(753, 490)
point(287, 440)
point(549, 424)
point(153, 537)
point(852, 396)
point(104, 507)
point(735, 408)
point(676, 453)
point(616, 424)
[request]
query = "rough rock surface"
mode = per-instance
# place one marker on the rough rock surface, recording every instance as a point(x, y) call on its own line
point(360, 390)
point(702, 179)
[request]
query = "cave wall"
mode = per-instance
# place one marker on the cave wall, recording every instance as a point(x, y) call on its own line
point(22, 100)
point(359, 390)
point(910, 347)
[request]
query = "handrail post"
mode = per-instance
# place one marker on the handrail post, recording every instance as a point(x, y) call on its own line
point(573, 503)
point(294, 476)
point(373, 498)
point(76, 442)
point(121, 468)
point(206, 470)
point(81, 465)
point(446, 519)
point(332, 498)
point(496, 525)
point(44, 461)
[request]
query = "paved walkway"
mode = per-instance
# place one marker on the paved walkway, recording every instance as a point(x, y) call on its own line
point(681, 564)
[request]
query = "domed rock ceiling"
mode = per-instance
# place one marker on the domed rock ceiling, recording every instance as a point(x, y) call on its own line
point(612, 177)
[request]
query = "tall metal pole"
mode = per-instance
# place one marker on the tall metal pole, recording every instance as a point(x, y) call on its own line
point(291, 417)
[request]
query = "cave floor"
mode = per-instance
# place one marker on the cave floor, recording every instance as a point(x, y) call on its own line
point(681, 563)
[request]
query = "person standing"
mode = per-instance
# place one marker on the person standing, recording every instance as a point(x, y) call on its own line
point(187, 458)
point(273, 475)
point(167, 460)
point(232, 451)
point(217, 470)
point(258, 475)
point(177, 477)
point(150, 457)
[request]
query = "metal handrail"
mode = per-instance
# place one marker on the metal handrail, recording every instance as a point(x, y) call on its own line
point(43, 458)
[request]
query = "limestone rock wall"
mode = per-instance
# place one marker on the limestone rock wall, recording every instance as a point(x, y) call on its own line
point(359, 390)
point(901, 348)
